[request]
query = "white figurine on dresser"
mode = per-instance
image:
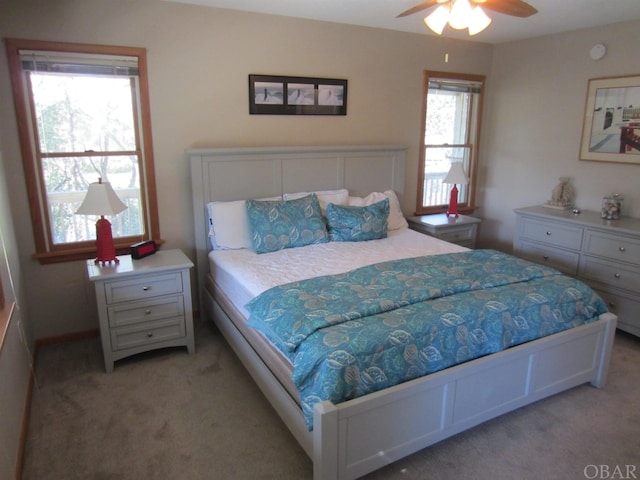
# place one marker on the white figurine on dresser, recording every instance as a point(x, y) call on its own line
point(603, 253)
point(562, 195)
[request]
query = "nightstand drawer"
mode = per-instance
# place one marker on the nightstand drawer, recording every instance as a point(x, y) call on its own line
point(552, 233)
point(616, 247)
point(143, 287)
point(458, 235)
point(147, 333)
point(610, 273)
point(563, 260)
point(146, 311)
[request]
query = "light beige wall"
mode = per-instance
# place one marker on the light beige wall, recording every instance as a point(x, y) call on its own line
point(535, 114)
point(199, 60)
point(15, 346)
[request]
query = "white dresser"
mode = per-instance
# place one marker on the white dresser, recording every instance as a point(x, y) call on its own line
point(143, 304)
point(603, 253)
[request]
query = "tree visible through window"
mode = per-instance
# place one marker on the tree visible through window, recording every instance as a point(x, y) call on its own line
point(452, 110)
point(88, 108)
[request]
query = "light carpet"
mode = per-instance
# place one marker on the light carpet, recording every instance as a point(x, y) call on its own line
point(169, 415)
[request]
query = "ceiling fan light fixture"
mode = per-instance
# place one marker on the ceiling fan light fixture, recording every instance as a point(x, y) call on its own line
point(438, 19)
point(478, 21)
point(460, 14)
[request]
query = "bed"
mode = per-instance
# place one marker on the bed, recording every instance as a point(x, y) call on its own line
point(351, 438)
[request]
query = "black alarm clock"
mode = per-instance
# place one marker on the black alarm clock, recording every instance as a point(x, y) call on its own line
point(143, 249)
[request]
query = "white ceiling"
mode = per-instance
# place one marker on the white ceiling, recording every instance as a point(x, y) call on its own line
point(553, 16)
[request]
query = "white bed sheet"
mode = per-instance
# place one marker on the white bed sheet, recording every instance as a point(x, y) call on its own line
point(243, 274)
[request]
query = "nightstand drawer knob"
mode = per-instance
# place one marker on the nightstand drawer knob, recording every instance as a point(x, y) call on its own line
point(622, 249)
point(146, 288)
point(147, 312)
point(545, 257)
point(548, 232)
point(150, 334)
point(616, 275)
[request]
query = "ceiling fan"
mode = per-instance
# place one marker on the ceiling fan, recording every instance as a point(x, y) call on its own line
point(467, 13)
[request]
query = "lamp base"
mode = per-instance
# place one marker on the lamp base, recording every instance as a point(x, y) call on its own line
point(453, 203)
point(105, 248)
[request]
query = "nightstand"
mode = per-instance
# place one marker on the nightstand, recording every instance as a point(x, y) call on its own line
point(143, 304)
point(462, 230)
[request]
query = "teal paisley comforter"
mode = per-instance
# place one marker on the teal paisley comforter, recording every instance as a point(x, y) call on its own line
point(351, 334)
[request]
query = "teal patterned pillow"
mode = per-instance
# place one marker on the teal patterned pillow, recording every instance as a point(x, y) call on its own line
point(286, 224)
point(356, 224)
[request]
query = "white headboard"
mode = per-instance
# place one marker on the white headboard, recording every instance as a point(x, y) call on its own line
point(219, 174)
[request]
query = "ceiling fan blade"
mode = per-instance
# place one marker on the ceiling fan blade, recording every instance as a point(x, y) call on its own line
point(515, 8)
point(419, 8)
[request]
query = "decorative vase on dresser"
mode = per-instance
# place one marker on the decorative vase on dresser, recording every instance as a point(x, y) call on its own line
point(603, 253)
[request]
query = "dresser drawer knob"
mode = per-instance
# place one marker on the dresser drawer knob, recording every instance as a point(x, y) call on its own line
point(548, 232)
point(147, 312)
point(612, 306)
point(622, 249)
point(150, 334)
point(545, 257)
point(146, 288)
point(616, 275)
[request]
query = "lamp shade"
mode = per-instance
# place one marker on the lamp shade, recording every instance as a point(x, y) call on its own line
point(456, 175)
point(438, 19)
point(478, 21)
point(101, 199)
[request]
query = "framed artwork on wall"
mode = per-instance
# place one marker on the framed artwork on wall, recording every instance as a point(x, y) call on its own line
point(611, 128)
point(283, 95)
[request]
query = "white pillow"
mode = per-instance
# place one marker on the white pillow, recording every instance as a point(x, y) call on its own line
point(396, 217)
point(325, 197)
point(229, 227)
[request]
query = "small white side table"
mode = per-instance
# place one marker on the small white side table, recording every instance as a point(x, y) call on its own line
point(461, 231)
point(143, 304)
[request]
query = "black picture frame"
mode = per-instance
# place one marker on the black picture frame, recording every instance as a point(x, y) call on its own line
point(286, 95)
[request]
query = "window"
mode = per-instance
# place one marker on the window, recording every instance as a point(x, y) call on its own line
point(83, 115)
point(451, 131)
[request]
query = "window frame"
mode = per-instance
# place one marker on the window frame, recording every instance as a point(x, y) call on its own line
point(46, 251)
point(473, 142)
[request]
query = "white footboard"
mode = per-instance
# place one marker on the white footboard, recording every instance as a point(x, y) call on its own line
point(365, 434)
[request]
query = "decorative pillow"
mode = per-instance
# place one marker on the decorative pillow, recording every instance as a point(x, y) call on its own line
point(286, 224)
point(396, 217)
point(229, 224)
point(356, 224)
point(325, 197)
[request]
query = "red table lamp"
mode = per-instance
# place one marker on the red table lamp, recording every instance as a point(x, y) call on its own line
point(455, 176)
point(102, 200)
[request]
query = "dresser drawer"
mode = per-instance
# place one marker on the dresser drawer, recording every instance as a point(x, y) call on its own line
point(610, 273)
point(143, 287)
point(626, 308)
point(147, 311)
point(617, 247)
point(551, 233)
point(147, 333)
point(563, 260)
